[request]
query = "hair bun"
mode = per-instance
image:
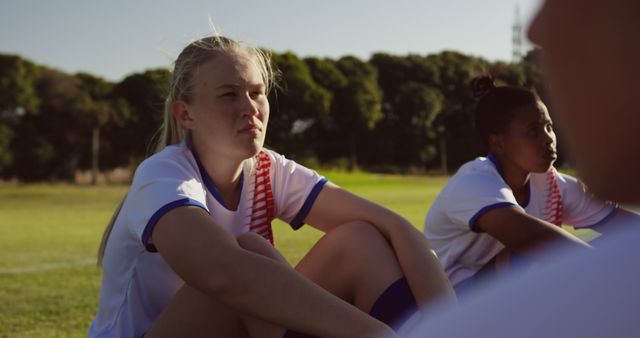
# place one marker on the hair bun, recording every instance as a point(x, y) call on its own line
point(481, 86)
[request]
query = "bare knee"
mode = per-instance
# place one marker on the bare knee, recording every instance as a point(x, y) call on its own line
point(347, 250)
point(354, 261)
point(357, 238)
point(353, 242)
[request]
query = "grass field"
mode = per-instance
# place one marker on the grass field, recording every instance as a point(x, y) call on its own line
point(49, 236)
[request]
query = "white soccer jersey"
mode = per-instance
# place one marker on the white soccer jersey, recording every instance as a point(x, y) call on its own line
point(137, 283)
point(477, 188)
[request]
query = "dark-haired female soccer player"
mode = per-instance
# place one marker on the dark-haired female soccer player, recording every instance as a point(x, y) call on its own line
point(498, 209)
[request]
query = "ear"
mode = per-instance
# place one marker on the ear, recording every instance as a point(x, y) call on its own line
point(180, 111)
point(496, 143)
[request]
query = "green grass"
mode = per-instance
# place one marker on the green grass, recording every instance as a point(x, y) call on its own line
point(56, 228)
point(43, 226)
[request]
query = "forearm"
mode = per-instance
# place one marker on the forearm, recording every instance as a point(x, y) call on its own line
point(545, 236)
point(272, 291)
point(525, 234)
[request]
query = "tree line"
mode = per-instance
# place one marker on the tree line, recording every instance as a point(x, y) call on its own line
point(389, 113)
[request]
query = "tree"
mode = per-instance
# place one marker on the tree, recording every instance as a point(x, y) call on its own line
point(511, 74)
point(99, 108)
point(326, 74)
point(358, 105)
point(458, 140)
point(395, 71)
point(17, 85)
point(139, 98)
point(6, 136)
point(400, 77)
point(17, 98)
point(298, 107)
point(416, 107)
point(393, 112)
point(50, 143)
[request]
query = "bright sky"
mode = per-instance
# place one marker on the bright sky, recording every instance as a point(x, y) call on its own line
point(114, 38)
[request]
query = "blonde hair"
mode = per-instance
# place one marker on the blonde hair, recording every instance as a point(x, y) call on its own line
point(181, 89)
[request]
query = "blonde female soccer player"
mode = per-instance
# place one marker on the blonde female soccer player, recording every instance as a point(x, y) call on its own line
point(190, 252)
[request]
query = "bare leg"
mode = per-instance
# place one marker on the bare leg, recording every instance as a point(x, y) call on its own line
point(354, 262)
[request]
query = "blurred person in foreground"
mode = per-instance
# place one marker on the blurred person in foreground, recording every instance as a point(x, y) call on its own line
point(591, 58)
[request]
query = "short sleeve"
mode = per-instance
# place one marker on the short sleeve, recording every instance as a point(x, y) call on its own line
point(475, 194)
point(295, 189)
point(580, 207)
point(159, 186)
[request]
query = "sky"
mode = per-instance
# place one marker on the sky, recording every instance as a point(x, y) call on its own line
point(115, 38)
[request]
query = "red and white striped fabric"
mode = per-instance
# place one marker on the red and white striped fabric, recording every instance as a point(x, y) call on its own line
point(263, 207)
point(553, 208)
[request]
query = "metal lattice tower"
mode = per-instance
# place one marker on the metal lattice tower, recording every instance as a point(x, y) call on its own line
point(517, 37)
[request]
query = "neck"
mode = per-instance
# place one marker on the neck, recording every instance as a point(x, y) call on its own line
point(515, 177)
point(225, 174)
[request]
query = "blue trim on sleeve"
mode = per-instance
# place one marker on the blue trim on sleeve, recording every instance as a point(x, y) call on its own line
point(146, 234)
point(297, 221)
point(208, 182)
point(474, 218)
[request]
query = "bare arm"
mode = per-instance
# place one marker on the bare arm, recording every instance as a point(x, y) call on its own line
point(522, 233)
point(419, 263)
point(208, 257)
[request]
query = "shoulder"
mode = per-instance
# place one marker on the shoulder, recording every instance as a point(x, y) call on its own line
point(474, 190)
point(479, 175)
point(173, 162)
point(271, 155)
point(480, 167)
point(166, 177)
point(570, 184)
point(566, 183)
point(566, 178)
